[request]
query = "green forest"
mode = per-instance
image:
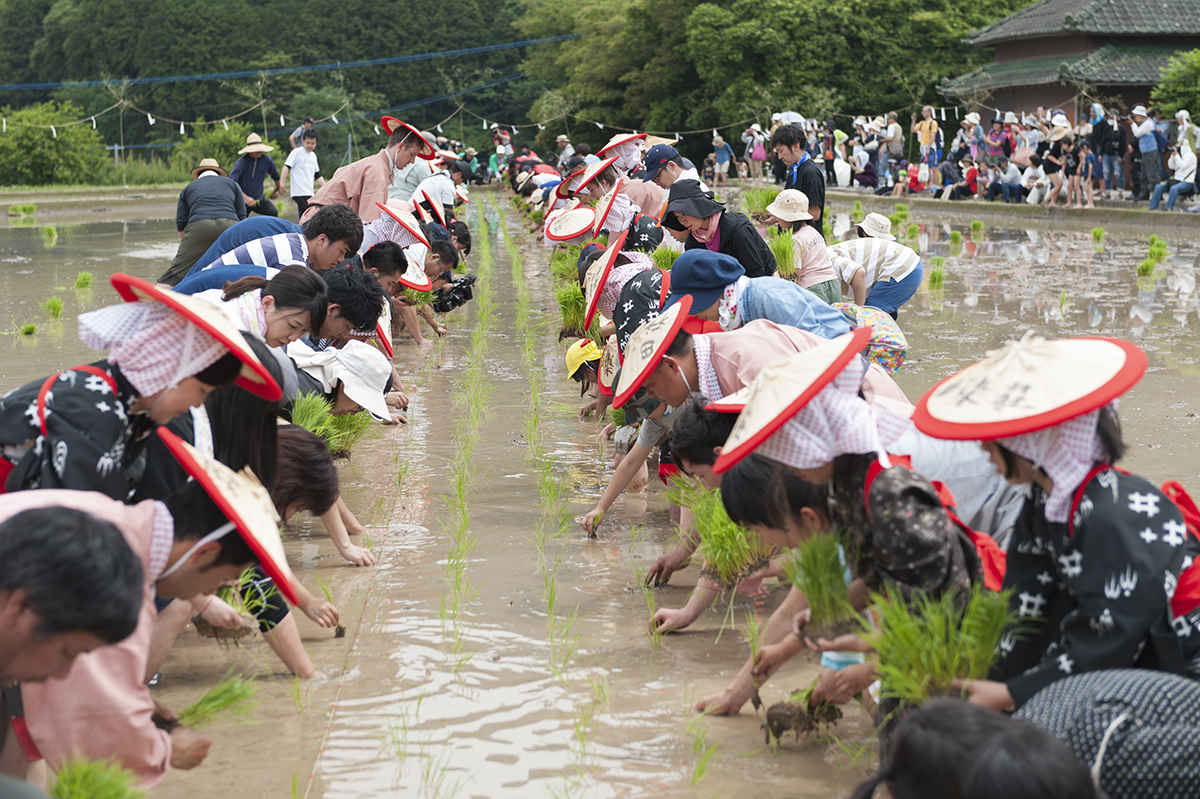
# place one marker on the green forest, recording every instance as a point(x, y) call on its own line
point(659, 65)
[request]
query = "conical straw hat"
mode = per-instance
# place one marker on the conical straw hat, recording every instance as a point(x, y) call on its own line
point(605, 205)
point(645, 348)
point(620, 138)
point(414, 276)
point(570, 224)
point(245, 502)
point(398, 211)
point(1029, 385)
point(783, 388)
point(609, 364)
point(597, 274)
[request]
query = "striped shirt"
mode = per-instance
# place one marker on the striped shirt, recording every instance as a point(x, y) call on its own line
point(880, 259)
point(278, 251)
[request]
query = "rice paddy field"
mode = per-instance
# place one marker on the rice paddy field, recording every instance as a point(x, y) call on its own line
point(495, 651)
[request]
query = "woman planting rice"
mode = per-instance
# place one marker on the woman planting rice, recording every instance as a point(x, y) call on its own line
point(1101, 561)
point(280, 310)
point(83, 427)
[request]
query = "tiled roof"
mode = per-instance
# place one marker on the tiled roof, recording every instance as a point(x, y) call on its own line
point(1110, 65)
point(1161, 17)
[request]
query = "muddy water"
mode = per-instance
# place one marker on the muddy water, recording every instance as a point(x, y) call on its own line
point(493, 695)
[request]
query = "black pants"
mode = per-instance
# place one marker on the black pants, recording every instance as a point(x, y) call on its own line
point(263, 206)
point(830, 172)
point(301, 205)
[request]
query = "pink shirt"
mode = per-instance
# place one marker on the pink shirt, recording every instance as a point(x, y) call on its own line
point(648, 197)
point(739, 355)
point(103, 708)
point(359, 185)
point(813, 265)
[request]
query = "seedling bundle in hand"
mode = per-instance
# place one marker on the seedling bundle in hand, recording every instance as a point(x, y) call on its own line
point(817, 569)
point(94, 779)
point(230, 698)
point(798, 715)
point(340, 433)
point(731, 552)
point(783, 247)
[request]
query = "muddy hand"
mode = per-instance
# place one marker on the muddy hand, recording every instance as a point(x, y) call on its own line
point(322, 612)
point(767, 662)
point(359, 556)
point(721, 704)
point(188, 748)
point(800, 625)
point(666, 565)
point(665, 620)
point(591, 521)
point(219, 613)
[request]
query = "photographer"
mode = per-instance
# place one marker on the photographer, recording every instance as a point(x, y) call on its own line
point(440, 260)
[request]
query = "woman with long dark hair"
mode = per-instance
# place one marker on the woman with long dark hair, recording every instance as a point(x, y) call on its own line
point(279, 310)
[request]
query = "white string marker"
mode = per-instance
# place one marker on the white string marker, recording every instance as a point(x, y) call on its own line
point(93, 123)
point(541, 126)
point(514, 130)
point(599, 126)
point(943, 113)
point(677, 137)
point(715, 132)
point(149, 117)
point(181, 127)
point(376, 130)
point(55, 132)
point(6, 124)
point(281, 122)
point(439, 127)
point(334, 117)
point(485, 124)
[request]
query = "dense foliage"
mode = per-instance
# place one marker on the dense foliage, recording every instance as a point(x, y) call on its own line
point(36, 156)
point(1180, 87)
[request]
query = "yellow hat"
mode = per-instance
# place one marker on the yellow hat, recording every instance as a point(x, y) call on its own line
point(580, 353)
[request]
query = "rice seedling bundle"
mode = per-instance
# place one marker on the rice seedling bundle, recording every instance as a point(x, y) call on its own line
point(572, 307)
point(911, 231)
point(83, 280)
point(937, 278)
point(1146, 267)
point(340, 433)
point(977, 226)
point(94, 779)
point(955, 237)
point(927, 643)
point(1154, 239)
point(936, 261)
point(783, 247)
point(564, 264)
point(817, 569)
point(664, 258)
point(53, 307)
point(731, 552)
point(1097, 234)
point(756, 200)
point(418, 297)
point(230, 698)
point(27, 329)
point(1158, 251)
point(22, 209)
point(538, 216)
point(898, 208)
point(617, 415)
point(858, 205)
point(896, 220)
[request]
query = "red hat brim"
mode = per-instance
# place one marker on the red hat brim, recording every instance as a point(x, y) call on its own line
point(626, 390)
point(605, 266)
point(391, 123)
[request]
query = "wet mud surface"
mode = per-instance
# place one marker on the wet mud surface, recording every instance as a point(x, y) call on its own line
point(453, 677)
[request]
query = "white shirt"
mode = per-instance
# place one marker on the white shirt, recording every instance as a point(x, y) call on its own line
point(1033, 176)
point(439, 187)
point(1184, 164)
point(280, 250)
point(303, 171)
point(1012, 174)
point(878, 258)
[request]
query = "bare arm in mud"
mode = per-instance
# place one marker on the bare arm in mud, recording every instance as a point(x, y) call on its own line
point(703, 595)
point(620, 480)
point(670, 562)
point(338, 520)
point(779, 627)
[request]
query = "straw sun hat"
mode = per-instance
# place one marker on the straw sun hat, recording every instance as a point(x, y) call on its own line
point(597, 275)
point(400, 212)
point(610, 363)
point(619, 139)
point(207, 165)
point(645, 349)
point(390, 124)
point(254, 377)
point(1029, 385)
point(784, 387)
point(570, 224)
point(254, 144)
point(577, 181)
point(790, 205)
point(245, 502)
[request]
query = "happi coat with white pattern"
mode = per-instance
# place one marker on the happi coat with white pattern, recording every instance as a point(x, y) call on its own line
point(91, 439)
point(1099, 598)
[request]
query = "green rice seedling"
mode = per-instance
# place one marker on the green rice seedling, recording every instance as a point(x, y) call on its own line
point(731, 552)
point(817, 568)
point(937, 278)
point(27, 329)
point(22, 209)
point(368, 542)
point(564, 264)
point(230, 698)
point(936, 261)
point(701, 746)
point(977, 226)
point(417, 298)
point(537, 216)
point(94, 779)
point(664, 258)
point(1158, 252)
point(572, 308)
point(857, 216)
point(897, 208)
point(896, 220)
point(297, 693)
point(756, 200)
point(911, 231)
point(401, 473)
point(617, 415)
point(49, 236)
point(783, 247)
point(325, 586)
point(1147, 267)
point(928, 643)
point(1154, 239)
point(347, 430)
point(955, 237)
point(858, 205)
point(52, 307)
point(753, 630)
point(83, 280)
point(1097, 234)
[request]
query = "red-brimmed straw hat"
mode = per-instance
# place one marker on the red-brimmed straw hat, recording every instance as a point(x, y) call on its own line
point(391, 123)
point(733, 403)
point(414, 276)
point(254, 377)
point(579, 179)
point(435, 208)
point(571, 223)
point(383, 329)
point(783, 388)
point(461, 193)
point(1029, 385)
point(597, 274)
point(619, 139)
point(245, 502)
point(605, 205)
point(609, 364)
point(398, 210)
point(645, 349)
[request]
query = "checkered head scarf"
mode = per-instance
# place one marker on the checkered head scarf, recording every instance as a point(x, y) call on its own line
point(835, 422)
point(155, 347)
point(1066, 452)
point(618, 277)
point(387, 229)
point(629, 155)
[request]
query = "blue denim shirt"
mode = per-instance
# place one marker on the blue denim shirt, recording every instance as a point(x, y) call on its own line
point(785, 303)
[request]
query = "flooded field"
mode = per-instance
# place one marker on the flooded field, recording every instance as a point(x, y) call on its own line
point(495, 651)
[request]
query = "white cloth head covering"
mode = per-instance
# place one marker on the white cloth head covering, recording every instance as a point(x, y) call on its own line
point(155, 347)
point(835, 422)
point(629, 154)
point(1066, 452)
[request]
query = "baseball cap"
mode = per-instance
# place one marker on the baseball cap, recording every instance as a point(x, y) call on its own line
point(657, 158)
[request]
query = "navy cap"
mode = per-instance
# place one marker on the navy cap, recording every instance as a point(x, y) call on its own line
point(657, 158)
point(703, 274)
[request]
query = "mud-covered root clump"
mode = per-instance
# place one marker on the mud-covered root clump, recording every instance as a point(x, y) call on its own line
point(224, 634)
point(339, 631)
point(796, 716)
